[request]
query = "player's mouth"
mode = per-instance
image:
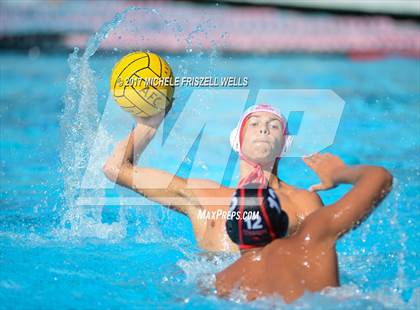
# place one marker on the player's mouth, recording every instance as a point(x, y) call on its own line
point(261, 141)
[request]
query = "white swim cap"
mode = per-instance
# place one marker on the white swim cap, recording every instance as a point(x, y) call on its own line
point(236, 133)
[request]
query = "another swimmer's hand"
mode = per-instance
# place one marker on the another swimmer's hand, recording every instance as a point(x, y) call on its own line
point(328, 167)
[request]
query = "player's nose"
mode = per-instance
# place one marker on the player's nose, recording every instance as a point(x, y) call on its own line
point(264, 130)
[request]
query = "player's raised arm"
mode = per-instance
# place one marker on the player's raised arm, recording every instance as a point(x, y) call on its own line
point(157, 185)
point(370, 185)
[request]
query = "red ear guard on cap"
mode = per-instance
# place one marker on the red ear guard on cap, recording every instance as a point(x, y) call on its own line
point(255, 217)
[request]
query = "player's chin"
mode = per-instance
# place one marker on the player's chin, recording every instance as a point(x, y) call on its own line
point(263, 156)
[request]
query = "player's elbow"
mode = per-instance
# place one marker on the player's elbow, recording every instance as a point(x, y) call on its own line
point(388, 178)
point(109, 171)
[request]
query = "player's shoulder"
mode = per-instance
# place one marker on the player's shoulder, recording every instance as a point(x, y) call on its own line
point(308, 200)
point(225, 279)
point(301, 194)
point(308, 196)
point(229, 278)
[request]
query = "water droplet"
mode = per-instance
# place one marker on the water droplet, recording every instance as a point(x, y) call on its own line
point(256, 258)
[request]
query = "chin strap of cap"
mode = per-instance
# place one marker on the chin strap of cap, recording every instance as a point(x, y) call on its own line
point(255, 176)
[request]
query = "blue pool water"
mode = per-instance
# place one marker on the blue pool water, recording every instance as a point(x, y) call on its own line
point(57, 254)
point(147, 256)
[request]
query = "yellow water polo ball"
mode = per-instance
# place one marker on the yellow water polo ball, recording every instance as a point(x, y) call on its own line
point(142, 84)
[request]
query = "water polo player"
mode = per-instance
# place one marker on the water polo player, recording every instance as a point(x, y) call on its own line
point(260, 138)
point(305, 261)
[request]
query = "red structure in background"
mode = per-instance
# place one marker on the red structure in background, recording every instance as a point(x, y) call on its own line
point(189, 27)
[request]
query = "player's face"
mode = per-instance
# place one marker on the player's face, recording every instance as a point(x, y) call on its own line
point(262, 137)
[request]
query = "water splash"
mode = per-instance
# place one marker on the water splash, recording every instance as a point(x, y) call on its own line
point(400, 283)
point(79, 123)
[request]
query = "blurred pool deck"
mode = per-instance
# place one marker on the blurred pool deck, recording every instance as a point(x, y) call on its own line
point(186, 26)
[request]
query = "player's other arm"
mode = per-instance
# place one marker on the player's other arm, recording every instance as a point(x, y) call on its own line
point(370, 185)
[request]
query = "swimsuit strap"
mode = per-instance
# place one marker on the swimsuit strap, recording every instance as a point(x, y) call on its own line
point(255, 176)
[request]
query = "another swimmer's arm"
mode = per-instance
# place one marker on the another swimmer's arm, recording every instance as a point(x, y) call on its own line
point(371, 185)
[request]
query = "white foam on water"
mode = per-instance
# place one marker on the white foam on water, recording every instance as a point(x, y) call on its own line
point(79, 123)
point(150, 234)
